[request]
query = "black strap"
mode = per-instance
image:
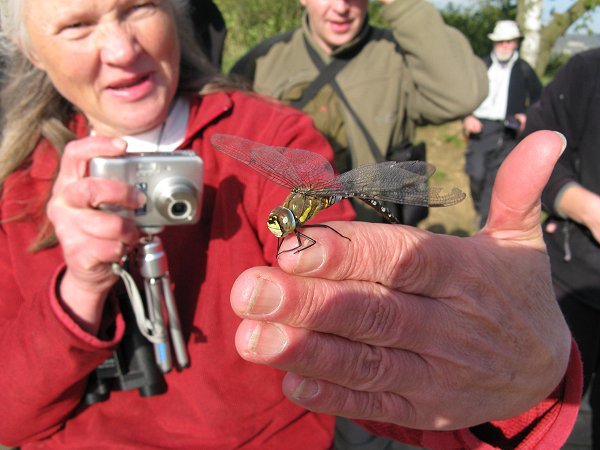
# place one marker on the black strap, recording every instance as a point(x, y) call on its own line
point(327, 74)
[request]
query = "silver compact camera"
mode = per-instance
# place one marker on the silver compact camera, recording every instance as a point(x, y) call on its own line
point(171, 181)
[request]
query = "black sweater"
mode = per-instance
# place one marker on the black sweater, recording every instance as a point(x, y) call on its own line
point(571, 104)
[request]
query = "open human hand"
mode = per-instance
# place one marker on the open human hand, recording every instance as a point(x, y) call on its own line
point(404, 326)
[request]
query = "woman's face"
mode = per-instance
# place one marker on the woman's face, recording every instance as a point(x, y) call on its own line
point(116, 60)
point(335, 22)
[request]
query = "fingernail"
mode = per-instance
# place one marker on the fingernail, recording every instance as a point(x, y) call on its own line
point(306, 390)
point(267, 339)
point(119, 143)
point(564, 139)
point(266, 298)
point(310, 259)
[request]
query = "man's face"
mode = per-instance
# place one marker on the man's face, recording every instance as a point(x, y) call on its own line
point(505, 49)
point(335, 22)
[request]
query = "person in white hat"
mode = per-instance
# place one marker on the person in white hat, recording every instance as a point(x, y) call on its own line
point(493, 127)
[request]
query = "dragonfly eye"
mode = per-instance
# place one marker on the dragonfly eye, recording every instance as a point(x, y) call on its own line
point(281, 221)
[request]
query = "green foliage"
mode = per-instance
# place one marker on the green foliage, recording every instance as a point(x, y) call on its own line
point(251, 21)
point(476, 21)
point(555, 63)
point(455, 139)
point(375, 17)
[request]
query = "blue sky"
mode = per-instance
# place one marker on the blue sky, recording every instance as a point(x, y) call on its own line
point(549, 5)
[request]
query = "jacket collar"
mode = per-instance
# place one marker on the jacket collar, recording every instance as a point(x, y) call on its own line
point(44, 162)
point(204, 110)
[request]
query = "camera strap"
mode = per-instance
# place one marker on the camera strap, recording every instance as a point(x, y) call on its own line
point(146, 326)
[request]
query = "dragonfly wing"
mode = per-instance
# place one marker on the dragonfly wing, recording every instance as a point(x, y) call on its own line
point(306, 168)
point(287, 167)
point(396, 182)
point(234, 146)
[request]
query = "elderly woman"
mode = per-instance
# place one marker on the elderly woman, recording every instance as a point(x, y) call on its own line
point(365, 331)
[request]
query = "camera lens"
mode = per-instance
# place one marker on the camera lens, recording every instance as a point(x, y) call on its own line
point(176, 200)
point(179, 209)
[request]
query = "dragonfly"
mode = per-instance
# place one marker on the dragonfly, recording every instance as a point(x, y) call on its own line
point(314, 185)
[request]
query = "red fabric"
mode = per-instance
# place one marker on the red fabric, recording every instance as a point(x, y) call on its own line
point(220, 401)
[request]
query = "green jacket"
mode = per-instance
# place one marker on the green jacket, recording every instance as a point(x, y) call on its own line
point(421, 71)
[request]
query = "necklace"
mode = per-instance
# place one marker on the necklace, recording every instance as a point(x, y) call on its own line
point(160, 135)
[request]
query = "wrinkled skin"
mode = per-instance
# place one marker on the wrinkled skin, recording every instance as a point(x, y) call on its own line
point(91, 239)
point(422, 330)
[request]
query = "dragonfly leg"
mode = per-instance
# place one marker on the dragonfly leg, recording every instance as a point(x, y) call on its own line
point(309, 242)
point(321, 225)
point(298, 248)
point(306, 238)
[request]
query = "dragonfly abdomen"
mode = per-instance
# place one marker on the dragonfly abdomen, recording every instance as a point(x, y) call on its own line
point(381, 209)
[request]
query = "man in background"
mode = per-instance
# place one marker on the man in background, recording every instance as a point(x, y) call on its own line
point(493, 127)
point(368, 88)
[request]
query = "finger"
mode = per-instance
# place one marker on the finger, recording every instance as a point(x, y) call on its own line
point(99, 252)
point(75, 159)
point(515, 204)
point(71, 213)
point(396, 256)
point(330, 398)
point(82, 230)
point(357, 310)
point(99, 224)
point(327, 357)
point(405, 258)
point(96, 192)
point(388, 407)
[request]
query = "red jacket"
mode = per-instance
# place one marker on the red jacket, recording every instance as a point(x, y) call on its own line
point(221, 401)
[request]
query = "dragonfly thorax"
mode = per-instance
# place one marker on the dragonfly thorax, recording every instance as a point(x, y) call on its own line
point(281, 221)
point(304, 206)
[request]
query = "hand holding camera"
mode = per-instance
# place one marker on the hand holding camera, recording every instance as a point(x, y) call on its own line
point(90, 239)
point(93, 240)
point(172, 184)
point(170, 181)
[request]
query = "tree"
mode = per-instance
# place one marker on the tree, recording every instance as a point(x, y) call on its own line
point(539, 39)
point(477, 20)
point(529, 18)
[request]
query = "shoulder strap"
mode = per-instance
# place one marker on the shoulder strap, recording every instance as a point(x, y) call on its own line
point(327, 74)
point(245, 67)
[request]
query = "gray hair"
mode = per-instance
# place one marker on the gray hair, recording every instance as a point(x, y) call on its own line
point(11, 23)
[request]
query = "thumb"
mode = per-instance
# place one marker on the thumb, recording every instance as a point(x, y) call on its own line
point(515, 206)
